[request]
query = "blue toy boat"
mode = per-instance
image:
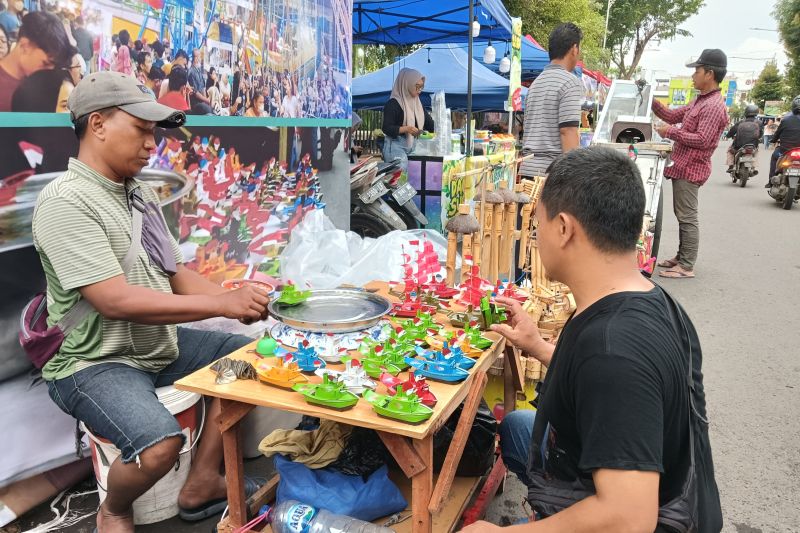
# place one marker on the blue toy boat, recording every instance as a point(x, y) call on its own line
point(445, 370)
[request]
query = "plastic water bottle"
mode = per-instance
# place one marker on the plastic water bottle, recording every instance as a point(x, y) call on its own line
point(291, 516)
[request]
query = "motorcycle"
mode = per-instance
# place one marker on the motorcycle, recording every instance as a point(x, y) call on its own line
point(380, 202)
point(787, 176)
point(744, 164)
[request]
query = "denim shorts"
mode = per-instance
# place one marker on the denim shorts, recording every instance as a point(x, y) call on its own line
point(119, 403)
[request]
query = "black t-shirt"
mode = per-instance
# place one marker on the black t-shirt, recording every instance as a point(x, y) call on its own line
point(788, 132)
point(616, 396)
point(393, 118)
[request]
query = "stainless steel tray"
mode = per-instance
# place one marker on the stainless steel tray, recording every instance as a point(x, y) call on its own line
point(333, 311)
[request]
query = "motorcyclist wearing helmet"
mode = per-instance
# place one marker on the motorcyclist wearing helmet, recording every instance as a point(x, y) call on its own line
point(788, 135)
point(748, 131)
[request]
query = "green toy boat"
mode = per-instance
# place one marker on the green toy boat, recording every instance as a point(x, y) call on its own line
point(291, 296)
point(327, 394)
point(405, 406)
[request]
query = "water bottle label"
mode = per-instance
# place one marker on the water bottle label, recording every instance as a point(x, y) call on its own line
point(299, 518)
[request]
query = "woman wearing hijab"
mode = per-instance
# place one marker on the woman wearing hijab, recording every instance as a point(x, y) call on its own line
point(403, 117)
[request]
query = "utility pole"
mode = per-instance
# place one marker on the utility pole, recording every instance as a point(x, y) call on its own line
point(608, 13)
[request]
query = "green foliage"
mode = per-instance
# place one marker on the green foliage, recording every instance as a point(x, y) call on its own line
point(787, 13)
point(540, 17)
point(635, 23)
point(736, 111)
point(369, 58)
point(769, 85)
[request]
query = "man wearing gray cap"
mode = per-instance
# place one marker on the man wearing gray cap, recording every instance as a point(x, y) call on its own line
point(701, 125)
point(102, 240)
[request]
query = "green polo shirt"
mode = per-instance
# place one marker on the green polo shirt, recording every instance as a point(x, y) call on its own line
point(82, 231)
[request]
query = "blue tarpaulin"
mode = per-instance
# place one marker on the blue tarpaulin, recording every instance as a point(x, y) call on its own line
point(446, 71)
point(402, 22)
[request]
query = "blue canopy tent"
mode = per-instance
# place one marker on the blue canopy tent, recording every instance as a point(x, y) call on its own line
point(402, 22)
point(534, 59)
point(445, 69)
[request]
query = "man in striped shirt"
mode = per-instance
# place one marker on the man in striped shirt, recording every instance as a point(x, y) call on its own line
point(553, 105)
point(107, 368)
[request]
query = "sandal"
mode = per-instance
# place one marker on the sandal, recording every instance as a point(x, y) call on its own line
point(213, 507)
point(668, 263)
point(676, 274)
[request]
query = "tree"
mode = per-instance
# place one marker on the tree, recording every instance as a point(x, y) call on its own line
point(540, 17)
point(635, 23)
point(787, 13)
point(769, 85)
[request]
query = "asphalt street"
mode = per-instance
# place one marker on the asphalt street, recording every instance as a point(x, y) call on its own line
point(745, 306)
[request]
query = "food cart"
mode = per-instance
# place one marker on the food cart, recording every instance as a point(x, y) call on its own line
point(626, 125)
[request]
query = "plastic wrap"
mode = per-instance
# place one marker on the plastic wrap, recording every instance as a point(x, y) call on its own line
point(323, 257)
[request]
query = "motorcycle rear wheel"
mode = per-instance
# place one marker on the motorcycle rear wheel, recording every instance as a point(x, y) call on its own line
point(368, 226)
point(788, 200)
point(743, 177)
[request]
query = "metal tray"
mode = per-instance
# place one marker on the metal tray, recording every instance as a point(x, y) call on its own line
point(333, 311)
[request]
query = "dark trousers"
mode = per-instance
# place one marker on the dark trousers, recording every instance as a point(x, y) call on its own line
point(776, 154)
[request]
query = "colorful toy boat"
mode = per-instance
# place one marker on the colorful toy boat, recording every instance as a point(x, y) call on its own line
point(473, 334)
point(380, 359)
point(307, 359)
point(354, 376)
point(410, 308)
point(291, 296)
point(442, 370)
point(329, 393)
point(446, 355)
point(405, 406)
point(413, 384)
point(283, 374)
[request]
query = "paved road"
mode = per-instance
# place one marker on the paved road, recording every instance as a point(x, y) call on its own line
point(745, 305)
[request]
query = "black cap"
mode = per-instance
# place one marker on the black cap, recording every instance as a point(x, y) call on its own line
point(711, 57)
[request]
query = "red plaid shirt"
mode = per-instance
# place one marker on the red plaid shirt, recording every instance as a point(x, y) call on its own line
point(702, 123)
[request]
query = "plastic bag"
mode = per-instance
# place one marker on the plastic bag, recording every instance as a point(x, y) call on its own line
point(478, 454)
point(323, 257)
point(339, 493)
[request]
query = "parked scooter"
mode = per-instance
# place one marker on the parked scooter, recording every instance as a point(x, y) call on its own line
point(784, 184)
point(744, 164)
point(379, 203)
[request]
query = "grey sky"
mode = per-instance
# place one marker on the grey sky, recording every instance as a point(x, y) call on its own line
point(721, 24)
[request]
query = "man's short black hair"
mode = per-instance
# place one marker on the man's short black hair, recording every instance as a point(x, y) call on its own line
point(181, 53)
point(178, 78)
point(47, 32)
point(124, 37)
point(158, 48)
point(562, 39)
point(603, 190)
point(719, 72)
point(81, 124)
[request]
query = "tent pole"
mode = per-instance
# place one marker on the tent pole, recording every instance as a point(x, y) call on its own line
point(468, 140)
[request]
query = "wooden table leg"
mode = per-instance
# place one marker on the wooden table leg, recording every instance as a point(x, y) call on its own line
point(229, 424)
point(422, 487)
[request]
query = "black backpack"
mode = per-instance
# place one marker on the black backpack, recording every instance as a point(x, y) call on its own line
point(747, 132)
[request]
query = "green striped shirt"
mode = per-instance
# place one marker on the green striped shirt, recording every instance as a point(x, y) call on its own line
point(82, 231)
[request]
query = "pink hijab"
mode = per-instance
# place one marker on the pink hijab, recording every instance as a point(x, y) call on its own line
point(413, 114)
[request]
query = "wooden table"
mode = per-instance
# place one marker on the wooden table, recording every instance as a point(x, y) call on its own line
point(410, 445)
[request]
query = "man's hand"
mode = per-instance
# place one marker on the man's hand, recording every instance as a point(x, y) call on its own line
point(663, 129)
point(247, 304)
point(481, 527)
point(522, 331)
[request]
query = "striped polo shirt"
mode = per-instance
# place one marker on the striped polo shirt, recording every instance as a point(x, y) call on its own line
point(82, 231)
point(553, 102)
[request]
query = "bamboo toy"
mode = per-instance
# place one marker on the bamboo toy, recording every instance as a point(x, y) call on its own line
point(525, 232)
point(464, 224)
point(506, 246)
point(497, 230)
point(483, 245)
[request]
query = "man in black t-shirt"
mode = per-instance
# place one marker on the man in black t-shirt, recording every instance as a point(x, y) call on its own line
point(786, 137)
point(609, 447)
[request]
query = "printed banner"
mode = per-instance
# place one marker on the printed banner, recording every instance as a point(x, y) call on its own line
point(515, 76)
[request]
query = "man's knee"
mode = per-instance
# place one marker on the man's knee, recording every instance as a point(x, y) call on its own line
point(159, 458)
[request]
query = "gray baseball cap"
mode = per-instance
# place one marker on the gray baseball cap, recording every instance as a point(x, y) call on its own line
point(102, 90)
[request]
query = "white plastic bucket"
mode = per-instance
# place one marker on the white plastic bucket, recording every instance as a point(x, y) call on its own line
point(161, 501)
